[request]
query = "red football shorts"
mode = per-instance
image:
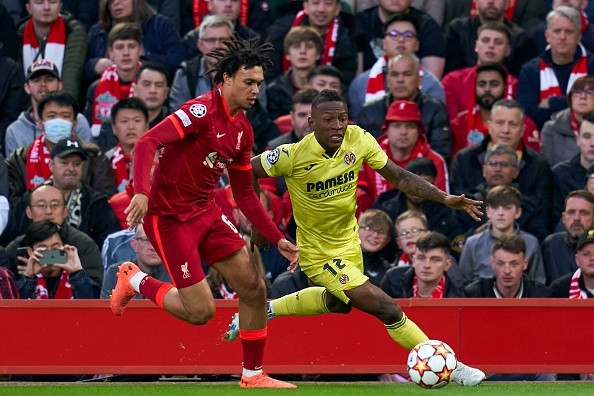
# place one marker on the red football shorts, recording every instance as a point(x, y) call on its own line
point(183, 245)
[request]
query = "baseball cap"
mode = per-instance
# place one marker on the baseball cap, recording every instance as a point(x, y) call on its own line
point(42, 66)
point(586, 237)
point(66, 147)
point(405, 111)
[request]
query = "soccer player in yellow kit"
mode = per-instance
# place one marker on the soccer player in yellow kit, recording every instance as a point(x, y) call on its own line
point(321, 174)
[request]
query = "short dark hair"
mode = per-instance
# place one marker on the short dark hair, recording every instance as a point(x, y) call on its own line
point(422, 166)
point(304, 96)
point(327, 95)
point(497, 26)
point(504, 195)
point(511, 243)
point(589, 116)
point(325, 70)
point(433, 240)
point(61, 98)
point(584, 194)
point(239, 53)
point(133, 103)
point(154, 66)
point(141, 11)
point(40, 231)
point(124, 31)
point(493, 66)
point(403, 17)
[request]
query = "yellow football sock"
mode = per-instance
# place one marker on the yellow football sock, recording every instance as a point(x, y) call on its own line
point(306, 302)
point(406, 333)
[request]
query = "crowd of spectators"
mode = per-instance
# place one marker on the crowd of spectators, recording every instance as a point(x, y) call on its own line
point(493, 99)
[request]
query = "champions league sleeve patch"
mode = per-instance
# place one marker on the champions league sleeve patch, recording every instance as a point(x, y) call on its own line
point(198, 110)
point(272, 157)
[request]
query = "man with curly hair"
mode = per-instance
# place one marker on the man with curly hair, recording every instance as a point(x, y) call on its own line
point(205, 136)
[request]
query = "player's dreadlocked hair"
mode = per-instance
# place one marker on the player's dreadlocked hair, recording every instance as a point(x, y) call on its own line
point(239, 52)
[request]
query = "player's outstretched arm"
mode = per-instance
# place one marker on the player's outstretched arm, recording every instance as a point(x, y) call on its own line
point(412, 184)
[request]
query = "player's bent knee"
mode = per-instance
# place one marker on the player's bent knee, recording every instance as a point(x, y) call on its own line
point(200, 317)
point(335, 305)
point(252, 292)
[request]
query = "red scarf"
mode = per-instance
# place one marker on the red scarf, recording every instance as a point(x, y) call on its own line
point(64, 290)
point(584, 21)
point(108, 92)
point(54, 45)
point(437, 292)
point(574, 122)
point(549, 86)
point(36, 165)
point(403, 261)
point(120, 162)
point(574, 286)
point(200, 9)
point(376, 86)
point(329, 41)
point(509, 11)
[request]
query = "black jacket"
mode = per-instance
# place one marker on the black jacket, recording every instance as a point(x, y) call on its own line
point(89, 254)
point(560, 287)
point(462, 33)
point(558, 255)
point(527, 12)
point(97, 172)
point(568, 175)
point(13, 99)
point(399, 280)
point(533, 180)
point(433, 113)
point(484, 288)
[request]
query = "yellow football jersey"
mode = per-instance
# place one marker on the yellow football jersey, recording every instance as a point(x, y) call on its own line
point(324, 189)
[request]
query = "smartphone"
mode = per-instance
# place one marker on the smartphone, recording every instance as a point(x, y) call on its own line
point(54, 256)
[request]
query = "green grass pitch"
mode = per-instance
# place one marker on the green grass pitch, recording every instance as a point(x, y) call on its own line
point(313, 389)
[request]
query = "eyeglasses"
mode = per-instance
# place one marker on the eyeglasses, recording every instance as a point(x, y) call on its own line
point(212, 40)
point(377, 231)
point(500, 164)
point(413, 232)
point(407, 34)
point(44, 205)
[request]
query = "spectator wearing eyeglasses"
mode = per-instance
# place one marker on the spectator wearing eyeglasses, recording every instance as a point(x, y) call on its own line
point(46, 202)
point(558, 137)
point(503, 208)
point(400, 36)
point(375, 233)
point(409, 226)
point(427, 276)
point(501, 168)
point(146, 259)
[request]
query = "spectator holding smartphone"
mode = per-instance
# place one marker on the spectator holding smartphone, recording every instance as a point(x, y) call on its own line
point(52, 269)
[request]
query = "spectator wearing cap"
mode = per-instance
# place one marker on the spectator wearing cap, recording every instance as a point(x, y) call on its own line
point(403, 140)
point(579, 284)
point(28, 166)
point(49, 34)
point(87, 208)
point(403, 81)
point(42, 77)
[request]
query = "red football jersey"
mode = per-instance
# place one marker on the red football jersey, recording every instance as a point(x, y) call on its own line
point(200, 140)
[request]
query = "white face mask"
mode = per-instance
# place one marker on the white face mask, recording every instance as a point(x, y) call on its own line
point(57, 129)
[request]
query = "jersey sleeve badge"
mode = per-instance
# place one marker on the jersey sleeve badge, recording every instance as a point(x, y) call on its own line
point(198, 110)
point(272, 157)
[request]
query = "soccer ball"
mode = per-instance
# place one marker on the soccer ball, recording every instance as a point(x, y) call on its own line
point(431, 363)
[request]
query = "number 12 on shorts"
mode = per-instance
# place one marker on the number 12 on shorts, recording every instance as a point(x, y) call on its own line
point(337, 263)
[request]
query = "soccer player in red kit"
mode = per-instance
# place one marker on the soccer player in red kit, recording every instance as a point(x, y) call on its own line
point(205, 136)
